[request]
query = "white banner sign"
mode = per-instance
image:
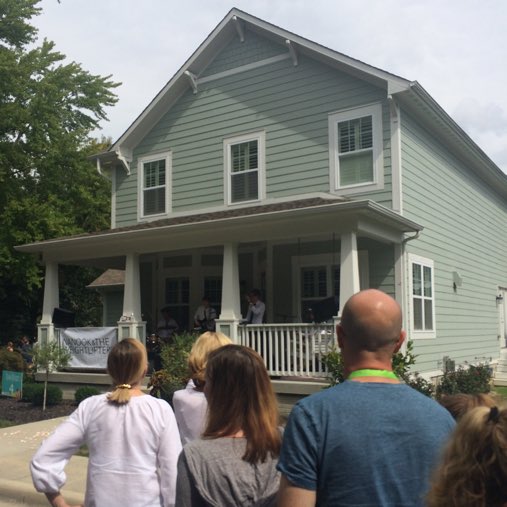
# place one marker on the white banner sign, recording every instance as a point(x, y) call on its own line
point(88, 346)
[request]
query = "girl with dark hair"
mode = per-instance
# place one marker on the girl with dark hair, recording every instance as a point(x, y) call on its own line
point(235, 461)
point(132, 439)
point(473, 472)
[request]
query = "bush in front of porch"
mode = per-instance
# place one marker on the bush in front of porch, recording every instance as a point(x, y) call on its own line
point(174, 373)
point(401, 367)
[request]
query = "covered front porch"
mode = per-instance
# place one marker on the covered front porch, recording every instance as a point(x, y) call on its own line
point(297, 253)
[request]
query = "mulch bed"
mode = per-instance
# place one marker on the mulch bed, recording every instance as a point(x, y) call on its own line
point(21, 412)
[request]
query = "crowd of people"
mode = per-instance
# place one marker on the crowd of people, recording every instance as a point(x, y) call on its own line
point(369, 441)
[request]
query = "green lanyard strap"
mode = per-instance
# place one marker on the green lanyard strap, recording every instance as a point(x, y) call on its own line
point(373, 373)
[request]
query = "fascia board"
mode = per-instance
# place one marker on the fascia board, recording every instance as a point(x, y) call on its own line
point(422, 104)
point(274, 224)
point(223, 32)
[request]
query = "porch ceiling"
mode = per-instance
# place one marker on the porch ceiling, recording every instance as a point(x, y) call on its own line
point(281, 221)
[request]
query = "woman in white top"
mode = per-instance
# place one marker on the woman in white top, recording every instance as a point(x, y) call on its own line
point(190, 404)
point(132, 439)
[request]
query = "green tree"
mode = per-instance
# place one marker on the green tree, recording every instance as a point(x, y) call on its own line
point(48, 187)
point(50, 357)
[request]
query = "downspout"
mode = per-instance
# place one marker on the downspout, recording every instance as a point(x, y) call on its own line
point(404, 283)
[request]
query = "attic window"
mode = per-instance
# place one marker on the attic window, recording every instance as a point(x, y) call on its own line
point(356, 149)
point(154, 184)
point(244, 168)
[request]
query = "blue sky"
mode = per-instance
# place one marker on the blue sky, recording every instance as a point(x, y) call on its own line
point(456, 49)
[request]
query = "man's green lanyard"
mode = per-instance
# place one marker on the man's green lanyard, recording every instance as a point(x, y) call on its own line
point(373, 373)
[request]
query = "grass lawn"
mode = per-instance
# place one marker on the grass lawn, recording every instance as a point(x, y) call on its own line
point(502, 391)
point(5, 424)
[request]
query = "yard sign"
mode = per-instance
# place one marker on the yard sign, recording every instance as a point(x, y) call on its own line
point(12, 383)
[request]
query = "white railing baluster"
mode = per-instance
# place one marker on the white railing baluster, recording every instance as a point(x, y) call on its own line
point(290, 349)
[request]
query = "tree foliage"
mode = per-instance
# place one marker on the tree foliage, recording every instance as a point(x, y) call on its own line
point(48, 187)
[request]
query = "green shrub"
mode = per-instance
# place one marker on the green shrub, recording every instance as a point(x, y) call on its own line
point(174, 372)
point(29, 391)
point(11, 361)
point(53, 397)
point(401, 367)
point(85, 392)
point(472, 380)
point(415, 381)
point(333, 361)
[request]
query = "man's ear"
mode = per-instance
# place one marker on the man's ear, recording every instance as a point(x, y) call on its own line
point(400, 341)
point(340, 335)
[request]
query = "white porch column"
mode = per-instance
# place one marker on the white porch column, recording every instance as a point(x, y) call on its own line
point(349, 268)
point(230, 315)
point(45, 329)
point(130, 324)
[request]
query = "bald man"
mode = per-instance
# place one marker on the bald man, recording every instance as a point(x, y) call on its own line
point(371, 440)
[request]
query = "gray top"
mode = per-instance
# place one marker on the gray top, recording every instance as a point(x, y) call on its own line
point(211, 472)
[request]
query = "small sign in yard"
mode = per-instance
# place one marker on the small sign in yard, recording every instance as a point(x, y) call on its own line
point(12, 383)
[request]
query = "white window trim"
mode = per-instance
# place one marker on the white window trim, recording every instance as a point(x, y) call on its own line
point(260, 137)
point(375, 111)
point(422, 261)
point(167, 155)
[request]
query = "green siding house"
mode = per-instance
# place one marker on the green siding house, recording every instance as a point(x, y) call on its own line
point(270, 161)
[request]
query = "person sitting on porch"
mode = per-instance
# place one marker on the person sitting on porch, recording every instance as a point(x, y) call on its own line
point(256, 308)
point(371, 440)
point(190, 404)
point(166, 326)
point(235, 461)
point(205, 315)
point(132, 439)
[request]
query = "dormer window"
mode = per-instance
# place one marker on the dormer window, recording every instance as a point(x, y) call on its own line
point(244, 168)
point(154, 180)
point(355, 154)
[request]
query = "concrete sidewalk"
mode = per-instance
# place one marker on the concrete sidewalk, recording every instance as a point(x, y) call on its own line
point(17, 446)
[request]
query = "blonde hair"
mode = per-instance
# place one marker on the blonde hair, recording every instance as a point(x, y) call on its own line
point(473, 472)
point(459, 404)
point(126, 363)
point(198, 358)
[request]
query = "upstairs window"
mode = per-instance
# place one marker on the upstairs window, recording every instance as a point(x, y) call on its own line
point(244, 168)
point(422, 297)
point(154, 185)
point(356, 149)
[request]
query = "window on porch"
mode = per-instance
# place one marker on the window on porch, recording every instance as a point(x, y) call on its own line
point(213, 289)
point(317, 283)
point(177, 292)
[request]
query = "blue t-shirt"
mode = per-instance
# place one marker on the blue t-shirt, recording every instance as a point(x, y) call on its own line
point(365, 444)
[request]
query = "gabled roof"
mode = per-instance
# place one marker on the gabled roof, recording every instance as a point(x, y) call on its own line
point(409, 93)
point(231, 26)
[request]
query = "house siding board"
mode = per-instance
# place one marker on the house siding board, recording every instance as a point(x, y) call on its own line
point(465, 231)
point(289, 103)
point(237, 53)
point(113, 307)
point(381, 265)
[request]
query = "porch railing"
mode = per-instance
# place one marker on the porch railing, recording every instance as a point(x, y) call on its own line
point(293, 350)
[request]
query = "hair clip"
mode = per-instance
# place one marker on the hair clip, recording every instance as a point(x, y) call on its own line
point(494, 415)
point(123, 386)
